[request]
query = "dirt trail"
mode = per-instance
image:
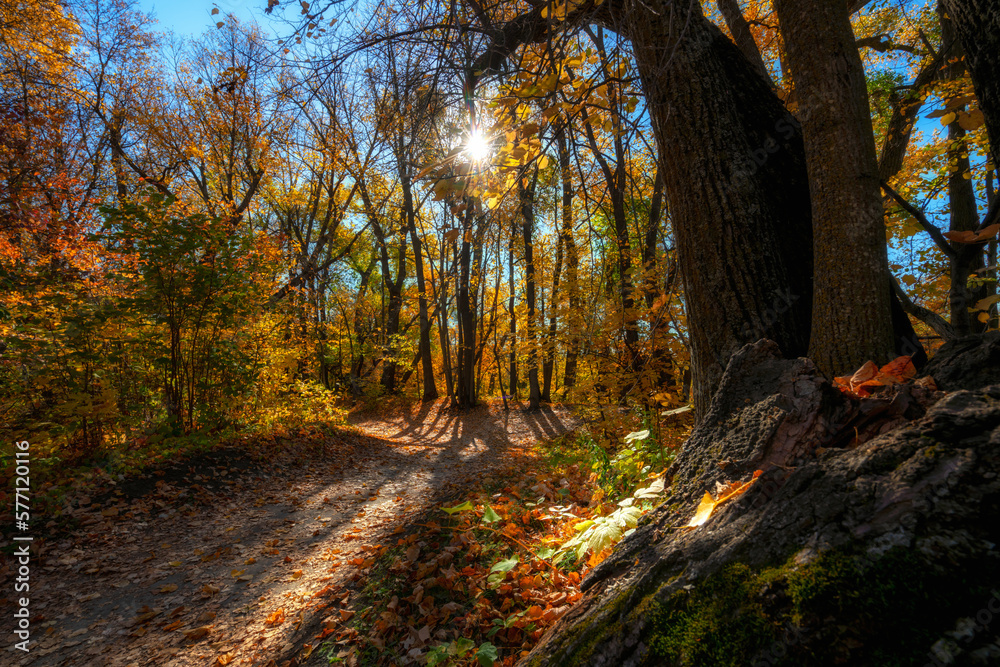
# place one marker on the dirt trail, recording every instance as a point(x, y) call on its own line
point(241, 562)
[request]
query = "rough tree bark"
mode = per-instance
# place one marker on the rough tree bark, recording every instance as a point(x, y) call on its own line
point(978, 25)
point(851, 318)
point(736, 188)
point(887, 508)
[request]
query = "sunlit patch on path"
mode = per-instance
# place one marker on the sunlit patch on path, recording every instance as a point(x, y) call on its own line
point(242, 561)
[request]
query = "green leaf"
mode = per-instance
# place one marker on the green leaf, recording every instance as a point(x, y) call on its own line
point(499, 571)
point(437, 656)
point(487, 655)
point(489, 515)
point(461, 646)
point(506, 565)
point(546, 552)
point(464, 507)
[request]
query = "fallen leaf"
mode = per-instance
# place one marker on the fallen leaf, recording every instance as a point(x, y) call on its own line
point(708, 503)
point(277, 618)
point(167, 588)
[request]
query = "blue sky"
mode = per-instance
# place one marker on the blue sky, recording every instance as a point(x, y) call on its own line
point(188, 18)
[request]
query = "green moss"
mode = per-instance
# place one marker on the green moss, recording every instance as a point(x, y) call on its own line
point(886, 612)
point(717, 623)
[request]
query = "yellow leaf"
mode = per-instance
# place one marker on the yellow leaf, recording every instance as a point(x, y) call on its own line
point(168, 588)
point(708, 504)
point(297, 574)
point(983, 304)
point(971, 121)
point(704, 511)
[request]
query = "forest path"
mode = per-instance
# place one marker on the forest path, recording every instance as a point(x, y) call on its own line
point(237, 561)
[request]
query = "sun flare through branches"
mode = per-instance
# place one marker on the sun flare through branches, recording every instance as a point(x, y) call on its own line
point(477, 146)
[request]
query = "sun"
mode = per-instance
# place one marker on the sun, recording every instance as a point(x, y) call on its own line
point(477, 147)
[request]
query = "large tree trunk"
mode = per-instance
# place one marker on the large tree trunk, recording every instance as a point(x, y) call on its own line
point(978, 25)
point(736, 187)
point(851, 319)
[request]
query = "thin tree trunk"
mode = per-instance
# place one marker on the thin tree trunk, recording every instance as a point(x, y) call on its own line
point(513, 316)
point(964, 216)
point(548, 365)
point(739, 28)
point(527, 194)
point(466, 389)
point(430, 391)
point(572, 260)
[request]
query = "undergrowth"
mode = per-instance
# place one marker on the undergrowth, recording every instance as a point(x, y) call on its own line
point(480, 579)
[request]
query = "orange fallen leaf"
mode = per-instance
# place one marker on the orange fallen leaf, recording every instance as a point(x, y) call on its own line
point(197, 633)
point(901, 368)
point(869, 376)
point(277, 618)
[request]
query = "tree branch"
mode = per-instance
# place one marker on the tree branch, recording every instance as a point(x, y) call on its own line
point(919, 216)
point(928, 317)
